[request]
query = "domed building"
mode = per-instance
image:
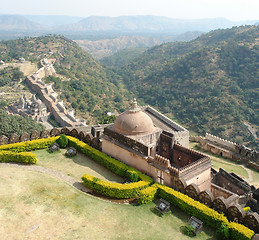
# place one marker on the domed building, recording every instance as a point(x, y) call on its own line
point(155, 145)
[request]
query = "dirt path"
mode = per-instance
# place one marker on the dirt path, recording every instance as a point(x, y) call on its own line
point(250, 177)
point(65, 178)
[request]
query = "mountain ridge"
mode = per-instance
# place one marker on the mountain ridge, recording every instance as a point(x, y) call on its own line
point(141, 23)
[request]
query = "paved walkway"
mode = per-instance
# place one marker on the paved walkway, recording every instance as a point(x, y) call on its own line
point(65, 178)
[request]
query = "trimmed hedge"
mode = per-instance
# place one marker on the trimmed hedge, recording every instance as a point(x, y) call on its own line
point(29, 145)
point(239, 232)
point(116, 190)
point(23, 157)
point(148, 194)
point(112, 164)
point(204, 213)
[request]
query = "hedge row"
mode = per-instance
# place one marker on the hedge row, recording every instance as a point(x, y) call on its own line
point(116, 190)
point(112, 164)
point(23, 157)
point(148, 194)
point(190, 206)
point(29, 145)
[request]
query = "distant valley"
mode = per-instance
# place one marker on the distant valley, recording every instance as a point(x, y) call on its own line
point(209, 84)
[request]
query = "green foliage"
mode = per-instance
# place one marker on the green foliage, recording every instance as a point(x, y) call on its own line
point(2, 104)
point(122, 57)
point(17, 124)
point(62, 141)
point(114, 165)
point(82, 75)
point(29, 145)
point(189, 230)
point(132, 176)
point(209, 84)
point(222, 232)
point(10, 75)
point(148, 194)
point(209, 216)
point(22, 157)
point(116, 190)
point(105, 119)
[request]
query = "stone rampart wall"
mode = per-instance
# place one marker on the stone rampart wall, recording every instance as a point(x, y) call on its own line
point(220, 141)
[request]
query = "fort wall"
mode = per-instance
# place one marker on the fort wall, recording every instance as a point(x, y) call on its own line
point(49, 97)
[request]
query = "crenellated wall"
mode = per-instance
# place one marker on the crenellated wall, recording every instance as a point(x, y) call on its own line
point(220, 141)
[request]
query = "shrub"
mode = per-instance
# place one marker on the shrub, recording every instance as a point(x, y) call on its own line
point(222, 232)
point(112, 164)
point(189, 230)
point(132, 176)
point(209, 216)
point(29, 145)
point(192, 207)
point(148, 194)
point(62, 141)
point(239, 231)
point(23, 157)
point(116, 190)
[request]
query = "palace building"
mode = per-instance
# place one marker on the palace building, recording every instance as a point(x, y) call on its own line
point(157, 146)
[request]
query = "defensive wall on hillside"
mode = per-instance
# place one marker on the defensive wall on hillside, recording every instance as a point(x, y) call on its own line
point(227, 149)
point(50, 98)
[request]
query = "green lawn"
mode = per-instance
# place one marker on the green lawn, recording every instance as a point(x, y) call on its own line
point(76, 166)
point(36, 206)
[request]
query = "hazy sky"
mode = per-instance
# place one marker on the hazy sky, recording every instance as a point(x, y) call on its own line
point(189, 9)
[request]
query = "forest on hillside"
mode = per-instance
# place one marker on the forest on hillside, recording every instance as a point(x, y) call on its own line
point(209, 84)
point(82, 82)
point(17, 124)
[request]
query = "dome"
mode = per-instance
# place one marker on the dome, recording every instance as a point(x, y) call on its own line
point(133, 122)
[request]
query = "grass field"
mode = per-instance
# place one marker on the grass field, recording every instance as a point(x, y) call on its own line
point(36, 206)
point(76, 166)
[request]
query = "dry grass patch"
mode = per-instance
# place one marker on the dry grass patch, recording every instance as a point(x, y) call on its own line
point(36, 206)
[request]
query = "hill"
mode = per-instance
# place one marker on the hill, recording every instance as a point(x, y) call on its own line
point(122, 57)
point(53, 20)
point(145, 24)
point(19, 23)
point(106, 47)
point(209, 84)
point(82, 82)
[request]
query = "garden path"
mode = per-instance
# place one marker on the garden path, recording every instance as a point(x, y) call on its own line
point(67, 179)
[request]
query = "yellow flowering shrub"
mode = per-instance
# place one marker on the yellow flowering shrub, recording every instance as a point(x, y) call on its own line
point(239, 231)
point(112, 164)
point(207, 215)
point(29, 145)
point(116, 190)
point(148, 194)
point(23, 157)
